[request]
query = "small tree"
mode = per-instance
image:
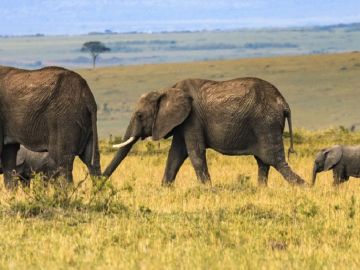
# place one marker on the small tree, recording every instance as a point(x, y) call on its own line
point(94, 48)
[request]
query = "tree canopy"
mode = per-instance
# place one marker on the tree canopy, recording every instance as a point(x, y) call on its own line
point(94, 48)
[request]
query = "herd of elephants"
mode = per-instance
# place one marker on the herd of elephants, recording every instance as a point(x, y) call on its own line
point(48, 117)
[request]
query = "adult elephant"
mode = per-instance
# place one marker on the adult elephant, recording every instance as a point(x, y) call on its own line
point(51, 109)
point(244, 116)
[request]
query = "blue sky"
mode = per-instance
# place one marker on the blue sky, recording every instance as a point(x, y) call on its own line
point(82, 16)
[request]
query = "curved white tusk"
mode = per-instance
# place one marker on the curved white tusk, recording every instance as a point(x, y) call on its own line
point(130, 140)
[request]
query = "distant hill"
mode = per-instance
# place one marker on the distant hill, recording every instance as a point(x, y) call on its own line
point(331, 27)
point(349, 27)
point(355, 26)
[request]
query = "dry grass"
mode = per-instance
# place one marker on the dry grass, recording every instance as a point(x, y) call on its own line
point(133, 223)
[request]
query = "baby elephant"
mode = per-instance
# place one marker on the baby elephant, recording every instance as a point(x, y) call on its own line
point(343, 160)
point(28, 162)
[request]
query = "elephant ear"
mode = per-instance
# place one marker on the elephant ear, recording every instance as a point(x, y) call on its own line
point(174, 107)
point(20, 160)
point(20, 157)
point(333, 156)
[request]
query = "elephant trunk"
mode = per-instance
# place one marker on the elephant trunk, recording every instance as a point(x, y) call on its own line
point(315, 171)
point(122, 152)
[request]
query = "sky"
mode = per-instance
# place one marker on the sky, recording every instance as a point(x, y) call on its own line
point(26, 17)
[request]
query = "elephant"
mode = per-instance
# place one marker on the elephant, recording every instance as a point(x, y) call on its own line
point(29, 162)
point(52, 110)
point(344, 161)
point(243, 116)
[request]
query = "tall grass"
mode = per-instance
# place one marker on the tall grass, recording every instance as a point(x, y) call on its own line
point(133, 222)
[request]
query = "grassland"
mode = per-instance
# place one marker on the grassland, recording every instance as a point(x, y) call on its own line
point(322, 85)
point(322, 90)
point(132, 222)
point(151, 48)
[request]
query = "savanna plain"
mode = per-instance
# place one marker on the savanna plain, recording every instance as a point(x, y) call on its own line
point(131, 222)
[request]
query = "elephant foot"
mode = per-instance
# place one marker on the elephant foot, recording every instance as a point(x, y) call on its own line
point(11, 184)
point(167, 183)
point(25, 183)
point(262, 184)
point(290, 176)
point(299, 182)
point(11, 180)
point(262, 181)
point(206, 182)
point(338, 182)
point(303, 184)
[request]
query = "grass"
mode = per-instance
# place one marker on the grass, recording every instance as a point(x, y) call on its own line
point(131, 222)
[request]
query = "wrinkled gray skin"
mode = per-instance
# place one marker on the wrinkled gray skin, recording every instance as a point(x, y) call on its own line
point(343, 160)
point(29, 162)
point(243, 116)
point(51, 109)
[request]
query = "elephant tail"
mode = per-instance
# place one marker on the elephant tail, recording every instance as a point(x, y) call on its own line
point(95, 143)
point(1, 138)
point(92, 109)
point(287, 114)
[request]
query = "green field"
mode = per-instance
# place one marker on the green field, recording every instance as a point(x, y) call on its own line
point(131, 222)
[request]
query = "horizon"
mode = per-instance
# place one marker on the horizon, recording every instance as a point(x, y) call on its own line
point(110, 32)
point(151, 16)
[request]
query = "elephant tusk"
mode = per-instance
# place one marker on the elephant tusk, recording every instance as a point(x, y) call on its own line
point(130, 140)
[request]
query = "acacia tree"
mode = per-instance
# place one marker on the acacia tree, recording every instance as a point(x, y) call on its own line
point(94, 48)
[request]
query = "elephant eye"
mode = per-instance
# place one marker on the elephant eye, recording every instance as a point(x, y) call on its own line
point(139, 115)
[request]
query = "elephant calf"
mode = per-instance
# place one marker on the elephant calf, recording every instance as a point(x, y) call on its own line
point(29, 162)
point(343, 160)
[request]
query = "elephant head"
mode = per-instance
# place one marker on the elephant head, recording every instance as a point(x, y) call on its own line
point(156, 115)
point(326, 159)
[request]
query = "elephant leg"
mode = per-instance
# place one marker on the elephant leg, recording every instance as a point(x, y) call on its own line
point(66, 167)
point(263, 172)
point(345, 179)
point(288, 174)
point(24, 175)
point(271, 152)
point(198, 160)
point(338, 179)
point(63, 147)
point(177, 155)
point(25, 179)
point(197, 154)
point(86, 157)
point(8, 159)
point(61, 164)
